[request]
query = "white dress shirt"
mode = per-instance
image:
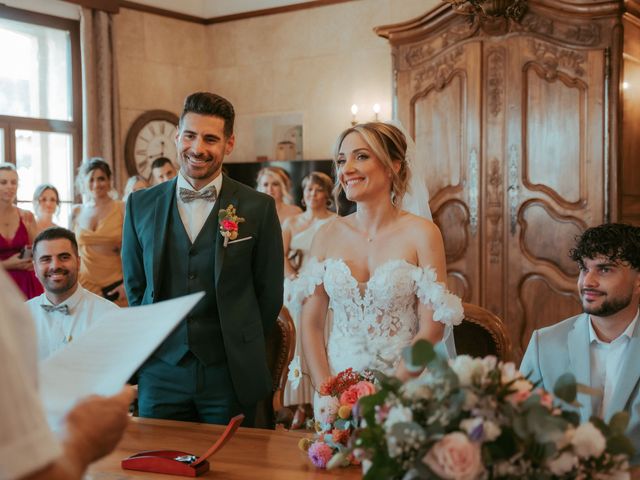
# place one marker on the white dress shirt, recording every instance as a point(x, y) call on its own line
point(26, 442)
point(606, 361)
point(55, 329)
point(195, 213)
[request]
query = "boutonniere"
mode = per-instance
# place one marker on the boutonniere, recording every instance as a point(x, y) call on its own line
point(229, 221)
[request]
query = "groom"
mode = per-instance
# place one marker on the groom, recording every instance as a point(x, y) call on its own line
point(213, 366)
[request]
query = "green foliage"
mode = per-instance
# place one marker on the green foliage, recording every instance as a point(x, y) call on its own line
point(566, 388)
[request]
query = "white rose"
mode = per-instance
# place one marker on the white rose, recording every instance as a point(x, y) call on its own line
point(509, 372)
point(325, 409)
point(397, 415)
point(489, 362)
point(491, 430)
point(470, 400)
point(588, 441)
point(463, 366)
point(563, 464)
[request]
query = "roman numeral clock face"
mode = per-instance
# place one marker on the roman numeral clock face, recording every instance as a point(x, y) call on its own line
point(151, 136)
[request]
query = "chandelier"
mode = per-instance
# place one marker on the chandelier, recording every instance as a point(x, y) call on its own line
point(513, 9)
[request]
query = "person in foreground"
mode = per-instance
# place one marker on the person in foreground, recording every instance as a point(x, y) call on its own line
point(182, 237)
point(379, 270)
point(28, 448)
point(601, 346)
point(65, 310)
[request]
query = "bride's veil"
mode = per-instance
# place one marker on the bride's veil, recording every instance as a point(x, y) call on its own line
point(416, 200)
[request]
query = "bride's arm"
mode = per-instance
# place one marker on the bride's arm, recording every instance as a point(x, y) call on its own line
point(289, 271)
point(313, 318)
point(314, 315)
point(430, 251)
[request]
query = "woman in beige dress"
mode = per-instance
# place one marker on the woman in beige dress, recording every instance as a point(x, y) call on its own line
point(297, 235)
point(275, 182)
point(97, 224)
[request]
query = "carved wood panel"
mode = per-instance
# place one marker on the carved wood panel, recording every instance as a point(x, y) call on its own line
point(443, 115)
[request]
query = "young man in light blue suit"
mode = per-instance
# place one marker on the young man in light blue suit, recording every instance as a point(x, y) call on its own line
point(601, 346)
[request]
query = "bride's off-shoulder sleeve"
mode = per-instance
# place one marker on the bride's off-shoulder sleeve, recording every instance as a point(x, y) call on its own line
point(447, 307)
point(311, 275)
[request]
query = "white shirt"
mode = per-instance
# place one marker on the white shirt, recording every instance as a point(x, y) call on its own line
point(26, 442)
point(606, 362)
point(55, 329)
point(195, 213)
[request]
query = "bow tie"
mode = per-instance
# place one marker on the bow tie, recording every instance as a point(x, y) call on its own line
point(209, 194)
point(63, 309)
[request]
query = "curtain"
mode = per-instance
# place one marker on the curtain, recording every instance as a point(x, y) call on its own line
point(100, 106)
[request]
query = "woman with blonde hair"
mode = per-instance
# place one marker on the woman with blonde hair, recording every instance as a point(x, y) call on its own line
point(97, 224)
point(46, 203)
point(381, 270)
point(275, 182)
point(297, 235)
point(17, 231)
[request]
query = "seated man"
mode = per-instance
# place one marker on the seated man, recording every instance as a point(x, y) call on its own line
point(162, 170)
point(601, 347)
point(28, 448)
point(65, 309)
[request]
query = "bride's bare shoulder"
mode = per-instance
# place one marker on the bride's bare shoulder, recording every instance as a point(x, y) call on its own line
point(423, 230)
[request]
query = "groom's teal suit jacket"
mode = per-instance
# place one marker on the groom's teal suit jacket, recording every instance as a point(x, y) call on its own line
point(564, 347)
point(248, 279)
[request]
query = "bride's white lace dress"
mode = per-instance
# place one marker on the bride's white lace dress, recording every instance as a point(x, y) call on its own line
point(374, 320)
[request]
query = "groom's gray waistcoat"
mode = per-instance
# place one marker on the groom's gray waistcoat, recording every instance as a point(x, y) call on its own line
point(190, 268)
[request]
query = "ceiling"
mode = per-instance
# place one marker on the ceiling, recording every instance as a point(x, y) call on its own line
point(217, 8)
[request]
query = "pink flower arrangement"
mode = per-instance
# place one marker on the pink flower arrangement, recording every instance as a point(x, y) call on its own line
point(333, 415)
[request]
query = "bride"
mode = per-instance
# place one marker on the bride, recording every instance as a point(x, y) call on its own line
point(378, 272)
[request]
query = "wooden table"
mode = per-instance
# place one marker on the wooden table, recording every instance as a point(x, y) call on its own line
point(250, 454)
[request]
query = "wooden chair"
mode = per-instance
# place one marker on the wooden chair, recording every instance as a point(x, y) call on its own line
point(481, 333)
point(281, 344)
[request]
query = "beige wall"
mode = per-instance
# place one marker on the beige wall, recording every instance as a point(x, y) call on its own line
point(317, 62)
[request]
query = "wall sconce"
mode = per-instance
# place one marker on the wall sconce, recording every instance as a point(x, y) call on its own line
point(354, 112)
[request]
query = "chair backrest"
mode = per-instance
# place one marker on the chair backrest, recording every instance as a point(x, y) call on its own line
point(481, 333)
point(282, 343)
point(280, 347)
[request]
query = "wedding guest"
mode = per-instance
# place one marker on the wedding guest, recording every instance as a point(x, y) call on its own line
point(134, 183)
point(601, 346)
point(46, 203)
point(275, 182)
point(65, 310)
point(17, 230)
point(297, 234)
point(97, 224)
point(213, 366)
point(162, 170)
point(28, 447)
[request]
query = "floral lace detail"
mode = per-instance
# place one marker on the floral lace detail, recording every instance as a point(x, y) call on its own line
point(374, 320)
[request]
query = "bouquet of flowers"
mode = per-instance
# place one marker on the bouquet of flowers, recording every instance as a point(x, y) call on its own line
point(333, 417)
point(469, 419)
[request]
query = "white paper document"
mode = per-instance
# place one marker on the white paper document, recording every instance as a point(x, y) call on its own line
point(102, 360)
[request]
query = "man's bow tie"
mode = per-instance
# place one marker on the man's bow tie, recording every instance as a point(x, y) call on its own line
point(64, 309)
point(209, 194)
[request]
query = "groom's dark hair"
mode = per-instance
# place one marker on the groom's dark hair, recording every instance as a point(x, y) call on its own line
point(206, 103)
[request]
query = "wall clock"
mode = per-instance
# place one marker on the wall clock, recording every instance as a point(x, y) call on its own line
point(152, 135)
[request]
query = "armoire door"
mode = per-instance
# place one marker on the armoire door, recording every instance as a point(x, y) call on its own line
point(443, 96)
point(554, 173)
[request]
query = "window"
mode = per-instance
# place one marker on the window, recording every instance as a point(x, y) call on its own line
point(40, 102)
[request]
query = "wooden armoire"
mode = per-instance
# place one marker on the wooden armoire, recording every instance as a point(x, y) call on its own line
point(531, 131)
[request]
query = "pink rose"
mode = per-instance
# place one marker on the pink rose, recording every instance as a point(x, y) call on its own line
point(546, 399)
point(230, 225)
point(355, 392)
point(455, 458)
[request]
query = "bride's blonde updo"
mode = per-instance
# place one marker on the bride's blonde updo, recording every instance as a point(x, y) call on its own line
point(389, 145)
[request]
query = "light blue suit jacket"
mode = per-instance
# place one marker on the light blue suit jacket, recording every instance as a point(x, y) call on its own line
point(564, 347)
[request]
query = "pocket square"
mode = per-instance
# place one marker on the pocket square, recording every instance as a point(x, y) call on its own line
point(239, 240)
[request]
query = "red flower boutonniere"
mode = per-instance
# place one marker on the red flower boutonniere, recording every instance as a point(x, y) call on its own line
point(229, 221)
